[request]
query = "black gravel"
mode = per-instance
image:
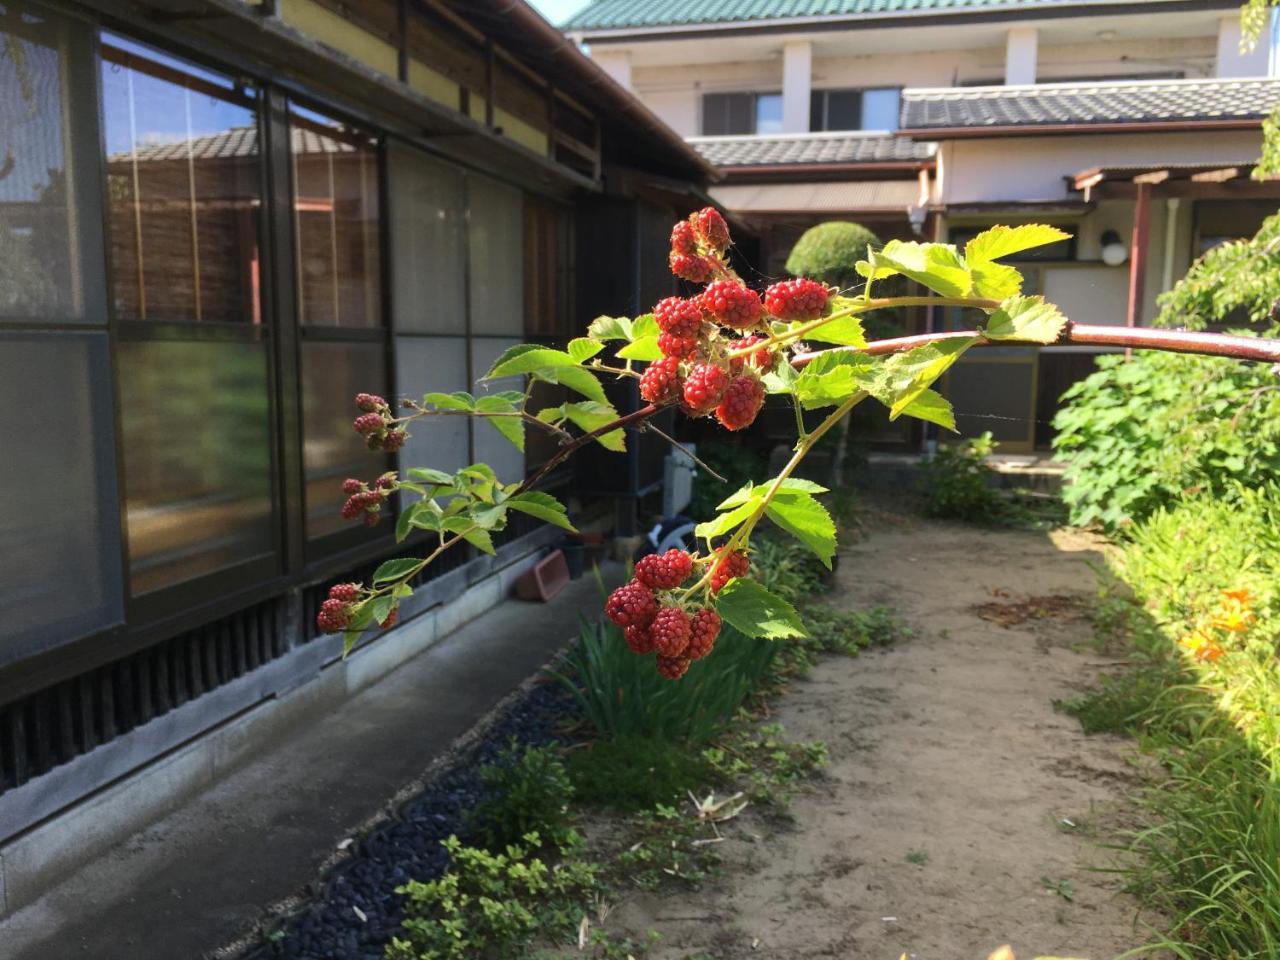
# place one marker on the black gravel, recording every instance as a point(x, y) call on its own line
point(407, 848)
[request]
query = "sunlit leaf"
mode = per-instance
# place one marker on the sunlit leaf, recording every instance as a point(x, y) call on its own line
point(936, 265)
point(584, 348)
point(807, 520)
point(528, 358)
point(832, 377)
point(905, 376)
point(725, 522)
point(995, 281)
point(641, 348)
point(756, 612)
point(934, 407)
point(461, 400)
point(789, 485)
point(1025, 318)
point(576, 379)
point(1001, 241)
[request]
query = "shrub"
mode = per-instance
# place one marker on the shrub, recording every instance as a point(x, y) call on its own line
point(955, 482)
point(525, 791)
point(828, 252)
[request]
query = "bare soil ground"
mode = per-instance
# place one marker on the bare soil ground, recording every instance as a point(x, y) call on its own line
point(959, 811)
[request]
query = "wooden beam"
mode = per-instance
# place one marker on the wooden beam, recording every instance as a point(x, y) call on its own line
point(1217, 176)
point(489, 85)
point(1152, 177)
point(1138, 254)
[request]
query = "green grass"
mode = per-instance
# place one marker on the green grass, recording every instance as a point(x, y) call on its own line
point(636, 773)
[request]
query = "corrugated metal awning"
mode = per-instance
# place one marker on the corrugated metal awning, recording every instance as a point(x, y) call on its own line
point(849, 197)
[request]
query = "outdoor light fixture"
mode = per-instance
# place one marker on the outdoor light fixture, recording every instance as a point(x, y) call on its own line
point(1114, 252)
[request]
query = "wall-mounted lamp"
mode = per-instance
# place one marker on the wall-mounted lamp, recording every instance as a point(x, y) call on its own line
point(1114, 252)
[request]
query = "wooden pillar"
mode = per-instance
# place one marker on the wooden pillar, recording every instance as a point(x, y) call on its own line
point(1138, 254)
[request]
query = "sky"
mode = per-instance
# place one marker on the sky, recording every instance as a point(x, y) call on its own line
point(557, 10)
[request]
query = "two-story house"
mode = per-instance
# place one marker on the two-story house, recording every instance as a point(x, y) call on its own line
point(1134, 125)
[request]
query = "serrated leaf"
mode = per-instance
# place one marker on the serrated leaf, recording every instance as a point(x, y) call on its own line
point(589, 415)
point(1025, 318)
point(459, 400)
point(756, 612)
point(610, 328)
point(789, 485)
point(382, 607)
point(807, 520)
point(528, 358)
point(1001, 241)
point(431, 475)
point(576, 379)
point(510, 427)
point(641, 348)
point(781, 379)
point(404, 521)
point(428, 515)
point(395, 569)
point(934, 407)
point(843, 331)
point(480, 539)
point(936, 265)
point(543, 506)
point(486, 518)
point(833, 377)
point(725, 522)
point(907, 375)
point(361, 617)
point(584, 348)
point(995, 281)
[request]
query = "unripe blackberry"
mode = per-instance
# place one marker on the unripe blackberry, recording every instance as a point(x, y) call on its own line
point(741, 402)
point(711, 228)
point(660, 382)
point(369, 402)
point(351, 485)
point(797, 299)
point(672, 668)
point(678, 347)
point(691, 267)
point(367, 423)
point(731, 304)
point(762, 358)
point(703, 388)
point(664, 571)
point(670, 632)
point(334, 616)
point(353, 507)
point(386, 482)
point(683, 239)
point(678, 317)
point(631, 604)
point(344, 592)
point(394, 440)
point(727, 567)
point(638, 638)
point(704, 627)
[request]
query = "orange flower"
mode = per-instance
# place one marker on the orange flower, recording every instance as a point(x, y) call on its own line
point(1240, 595)
point(1210, 652)
point(1235, 621)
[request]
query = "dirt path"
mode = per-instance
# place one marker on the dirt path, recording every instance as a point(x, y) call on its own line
point(940, 830)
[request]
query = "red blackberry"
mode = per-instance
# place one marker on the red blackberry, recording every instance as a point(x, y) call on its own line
point(386, 482)
point(392, 617)
point(693, 268)
point(353, 507)
point(731, 304)
point(664, 571)
point(638, 638)
point(660, 382)
point(367, 423)
point(683, 239)
point(351, 485)
point(704, 627)
point(703, 388)
point(672, 668)
point(344, 592)
point(678, 347)
point(394, 440)
point(761, 358)
point(334, 616)
point(371, 519)
point(678, 317)
point(726, 568)
point(632, 603)
point(670, 631)
point(797, 299)
point(369, 402)
point(711, 227)
point(741, 402)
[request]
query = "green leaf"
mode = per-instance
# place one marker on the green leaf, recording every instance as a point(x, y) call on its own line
point(576, 379)
point(833, 377)
point(431, 475)
point(528, 358)
point(405, 520)
point(543, 506)
point(843, 331)
point(781, 379)
point(907, 375)
point(1001, 241)
point(758, 613)
point(479, 539)
point(1025, 318)
point(588, 415)
point(789, 485)
point(584, 348)
point(610, 328)
point(382, 607)
point(361, 617)
point(995, 281)
point(510, 427)
point(936, 265)
point(807, 520)
point(486, 518)
point(395, 569)
point(934, 407)
point(461, 400)
point(428, 515)
point(725, 522)
point(641, 348)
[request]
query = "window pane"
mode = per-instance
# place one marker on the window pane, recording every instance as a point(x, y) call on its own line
point(490, 446)
point(844, 109)
point(497, 257)
point(197, 447)
point(769, 113)
point(39, 272)
point(880, 109)
point(59, 561)
point(436, 364)
point(427, 266)
point(184, 190)
point(335, 174)
point(817, 104)
point(333, 373)
point(728, 113)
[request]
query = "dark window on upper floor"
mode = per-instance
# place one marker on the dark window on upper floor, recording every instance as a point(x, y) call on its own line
point(728, 114)
point(854, 109)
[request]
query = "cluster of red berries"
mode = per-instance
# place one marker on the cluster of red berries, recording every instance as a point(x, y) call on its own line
point(653, 626)
point(366, 500)
point(335, 612)
point(375, 424)
point(698, 368)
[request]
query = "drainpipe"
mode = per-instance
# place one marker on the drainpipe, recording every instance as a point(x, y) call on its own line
point(1171, 206)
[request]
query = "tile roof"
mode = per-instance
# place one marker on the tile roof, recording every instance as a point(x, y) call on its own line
point(228, 144)
point(1092, 104)
point(807, 148)
point(654, 14)
point(847, 197)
